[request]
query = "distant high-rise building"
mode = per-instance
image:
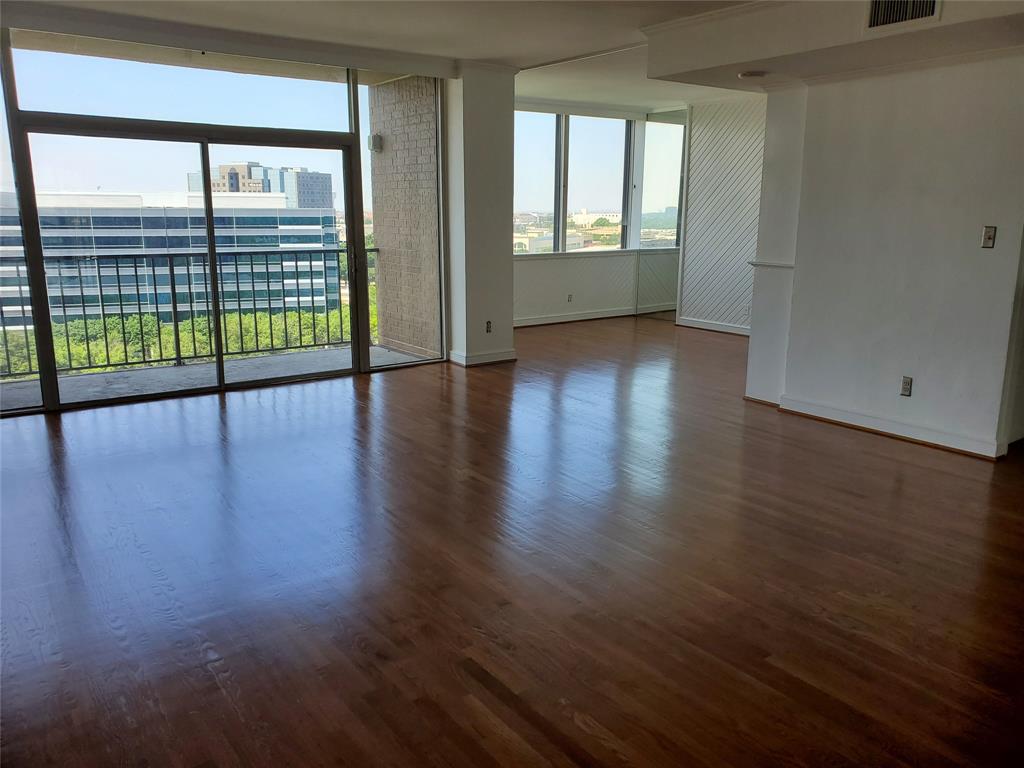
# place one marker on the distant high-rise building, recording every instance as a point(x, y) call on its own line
point(301, 187)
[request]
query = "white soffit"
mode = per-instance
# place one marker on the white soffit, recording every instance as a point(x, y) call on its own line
point(613, 83)
point(806, 41)
point(513, 33)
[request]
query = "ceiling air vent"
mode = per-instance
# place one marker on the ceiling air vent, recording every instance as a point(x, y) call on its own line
point(884, 12)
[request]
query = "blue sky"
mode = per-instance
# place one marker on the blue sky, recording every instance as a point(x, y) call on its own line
point(596, 159)
point(94, 86)
point(90, 85)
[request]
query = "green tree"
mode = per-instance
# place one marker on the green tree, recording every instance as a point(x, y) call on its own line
point(132, 339)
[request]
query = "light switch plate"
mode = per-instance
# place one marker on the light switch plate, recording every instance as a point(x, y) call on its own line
point(988, 237)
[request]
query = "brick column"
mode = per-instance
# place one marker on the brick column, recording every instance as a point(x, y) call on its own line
point(405, 207)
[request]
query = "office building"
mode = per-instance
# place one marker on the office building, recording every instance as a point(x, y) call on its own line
point(301, 187)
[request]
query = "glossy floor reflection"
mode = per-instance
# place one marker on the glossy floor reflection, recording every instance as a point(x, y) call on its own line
point(157, 380)
point(599, 555)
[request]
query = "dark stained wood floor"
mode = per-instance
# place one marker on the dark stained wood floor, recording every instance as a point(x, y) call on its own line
point(600, 555)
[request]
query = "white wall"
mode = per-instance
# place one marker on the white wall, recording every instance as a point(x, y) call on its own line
point(900, 173)
point(657, 280)
point(605, 284)
point(1011, 422)
point(723, 194)
point(479, 159)
point(776, 243)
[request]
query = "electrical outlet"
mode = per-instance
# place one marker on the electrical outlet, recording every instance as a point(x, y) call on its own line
point(907, 386)
point(569, 298)
point(488, 326)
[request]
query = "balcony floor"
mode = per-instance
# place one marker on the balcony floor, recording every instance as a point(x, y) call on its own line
point(170, 378)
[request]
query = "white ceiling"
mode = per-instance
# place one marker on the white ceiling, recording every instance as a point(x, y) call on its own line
point(590, 54)
point(519, 34)
point(616, 80)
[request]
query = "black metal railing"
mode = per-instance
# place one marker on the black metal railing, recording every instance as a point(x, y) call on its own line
point(110, 311)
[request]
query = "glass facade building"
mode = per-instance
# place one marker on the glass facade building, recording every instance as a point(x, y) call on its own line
point(125, 243)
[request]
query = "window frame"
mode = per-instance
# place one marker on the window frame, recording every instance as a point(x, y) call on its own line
point(556, 137)
point(632, 179)
point(680, 118)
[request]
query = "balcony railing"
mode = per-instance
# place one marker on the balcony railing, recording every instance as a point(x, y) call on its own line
point(112, 311)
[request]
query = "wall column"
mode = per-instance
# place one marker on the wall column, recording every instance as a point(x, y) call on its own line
point(776, 243)
point(404, 175)
point(480, 111)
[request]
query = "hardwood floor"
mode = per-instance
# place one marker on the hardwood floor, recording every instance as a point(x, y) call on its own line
point(600, 555)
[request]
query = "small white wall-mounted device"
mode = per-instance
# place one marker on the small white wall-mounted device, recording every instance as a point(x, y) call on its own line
point(988, 237)
point(375, 142)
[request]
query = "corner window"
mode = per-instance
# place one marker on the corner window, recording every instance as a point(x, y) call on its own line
point(533, 209)
point(661, 207)
point(586, 183)
point(597, 163)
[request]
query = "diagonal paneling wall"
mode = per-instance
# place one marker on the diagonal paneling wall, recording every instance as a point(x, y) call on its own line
point(723, 197)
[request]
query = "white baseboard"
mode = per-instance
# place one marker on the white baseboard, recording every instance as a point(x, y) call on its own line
point(570, 316)
point(967, 443)
point(709, 325)
point(645, 308)
point(481, 358)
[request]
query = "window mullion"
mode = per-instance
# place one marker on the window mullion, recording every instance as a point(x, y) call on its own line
point(561, 181)
point(625, 222)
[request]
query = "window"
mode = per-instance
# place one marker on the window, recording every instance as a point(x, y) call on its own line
point(596, 183)
point(64, 221)
point(67, 242)
point(257, 240)
point(116, 222)
point(533, 210)
point(120, 87)
point(660, 209)
point(256, 221)
point(287, 239)
point(115, 241)
point(597, 163)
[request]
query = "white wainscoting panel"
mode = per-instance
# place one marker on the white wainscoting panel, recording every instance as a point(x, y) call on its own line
point(657, 279)
point(602, 285)
point(723, 197)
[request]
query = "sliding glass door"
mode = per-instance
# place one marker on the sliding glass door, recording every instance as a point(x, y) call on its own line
point(19, 361)
point(177, 260)
point(165, 250)
point(127, 265)
point(280, 236)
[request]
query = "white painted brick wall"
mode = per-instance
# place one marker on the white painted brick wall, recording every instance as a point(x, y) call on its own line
point(405, 206)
